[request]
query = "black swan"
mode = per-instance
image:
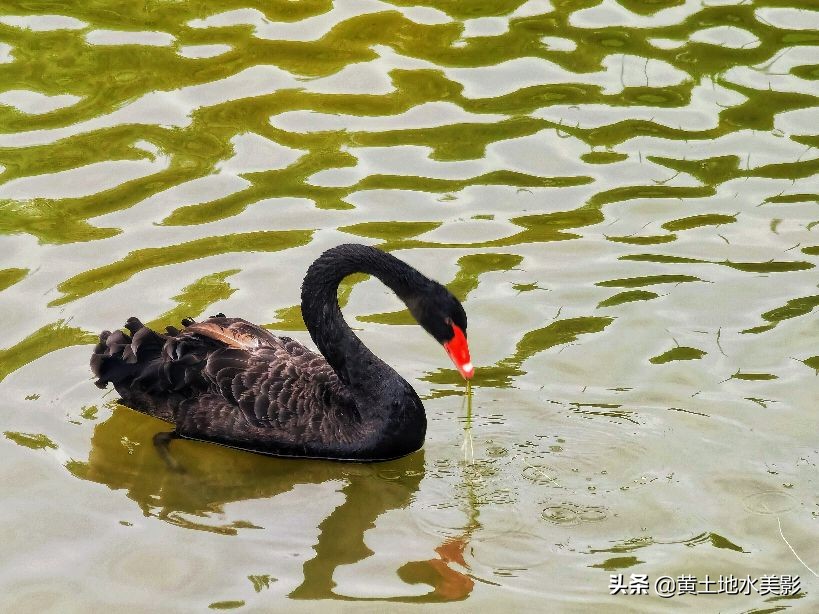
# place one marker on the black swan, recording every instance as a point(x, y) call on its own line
point(228, 381)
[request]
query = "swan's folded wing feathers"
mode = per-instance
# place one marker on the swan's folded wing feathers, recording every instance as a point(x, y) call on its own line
point(222, 368)
point(282, 386)
point(273, 385)
point(145, 342)
point(233, 332)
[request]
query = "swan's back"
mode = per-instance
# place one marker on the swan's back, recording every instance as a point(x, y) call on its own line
point(228, 381)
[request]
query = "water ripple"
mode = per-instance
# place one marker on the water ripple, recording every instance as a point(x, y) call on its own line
point(623, 194)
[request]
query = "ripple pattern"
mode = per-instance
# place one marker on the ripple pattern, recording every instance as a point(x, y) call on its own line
point(623, 193)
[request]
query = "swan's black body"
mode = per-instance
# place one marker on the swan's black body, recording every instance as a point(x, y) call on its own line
point(231, 382)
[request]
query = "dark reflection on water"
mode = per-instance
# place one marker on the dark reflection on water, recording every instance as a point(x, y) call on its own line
point(122, 457)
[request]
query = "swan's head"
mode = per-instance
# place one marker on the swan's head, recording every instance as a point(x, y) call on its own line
point(443, 317)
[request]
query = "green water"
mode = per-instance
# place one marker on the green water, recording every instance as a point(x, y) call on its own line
point(623, 193)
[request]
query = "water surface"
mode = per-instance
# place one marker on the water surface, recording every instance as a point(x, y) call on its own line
point(624, 195)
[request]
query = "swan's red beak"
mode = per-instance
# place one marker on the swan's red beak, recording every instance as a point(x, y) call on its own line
point(458, 351)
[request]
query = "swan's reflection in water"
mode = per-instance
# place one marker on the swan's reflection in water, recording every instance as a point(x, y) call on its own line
point(123, 458)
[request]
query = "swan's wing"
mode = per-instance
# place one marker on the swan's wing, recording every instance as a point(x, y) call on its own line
point(234, 332)
point(228, 380)
point(282, 387)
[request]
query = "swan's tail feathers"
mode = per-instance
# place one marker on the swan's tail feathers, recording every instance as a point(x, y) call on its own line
point(135, 365)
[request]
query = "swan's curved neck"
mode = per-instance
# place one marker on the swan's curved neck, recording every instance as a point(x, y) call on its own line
point(354, 363)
